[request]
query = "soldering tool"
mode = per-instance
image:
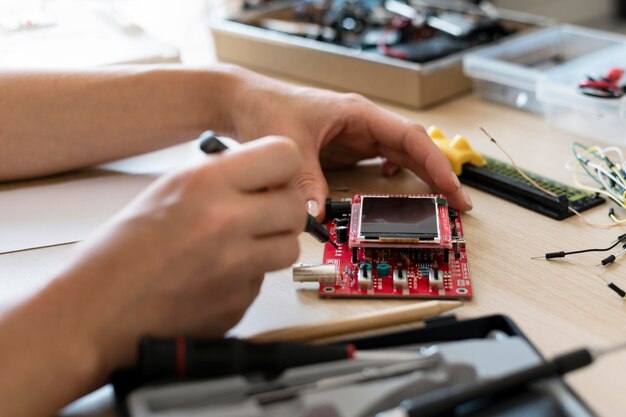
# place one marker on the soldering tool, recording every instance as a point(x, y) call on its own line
point(209, 143)
point(444, 401)
point(185, 358)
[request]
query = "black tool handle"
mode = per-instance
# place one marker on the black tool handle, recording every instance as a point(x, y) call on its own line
point(184, 358)
point(444, 401)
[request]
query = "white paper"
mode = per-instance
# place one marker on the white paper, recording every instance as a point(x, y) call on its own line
point(69, 208)
point(64, 211)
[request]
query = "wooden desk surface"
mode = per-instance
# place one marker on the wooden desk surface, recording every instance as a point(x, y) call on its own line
point(559, 305)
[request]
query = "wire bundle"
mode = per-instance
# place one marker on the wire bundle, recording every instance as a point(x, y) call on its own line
point(609, 174)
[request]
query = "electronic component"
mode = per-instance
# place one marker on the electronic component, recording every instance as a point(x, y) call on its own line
point(337, 209)
point(604, 262)
point(435, 279)
point(505, 181)
point(400, 221)
point(323, 273)
point(400, 281)
point(563, 254)
point(606, 86)
point(399, 246)
point(411, 31)
point(342, 221)
point(364, 277)
point(341, 233)
point(383, 269)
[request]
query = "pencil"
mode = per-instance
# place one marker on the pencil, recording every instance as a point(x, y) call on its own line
point(368, 321)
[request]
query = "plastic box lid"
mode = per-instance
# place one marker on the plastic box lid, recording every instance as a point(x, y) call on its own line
point(559, 86)
point(520, 61)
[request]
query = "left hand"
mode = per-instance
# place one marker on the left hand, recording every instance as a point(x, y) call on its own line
point(338, 130)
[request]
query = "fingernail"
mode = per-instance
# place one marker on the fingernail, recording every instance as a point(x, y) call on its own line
point(467, 199)
point(456, 181)
point(313, 208)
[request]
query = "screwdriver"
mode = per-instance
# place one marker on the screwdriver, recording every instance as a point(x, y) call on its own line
point(209, 143)
point(444, 401)
point(187, 358)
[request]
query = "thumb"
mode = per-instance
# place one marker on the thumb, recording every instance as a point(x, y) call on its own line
point(312, 185)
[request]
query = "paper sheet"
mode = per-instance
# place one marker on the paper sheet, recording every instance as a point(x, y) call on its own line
point(69, 207)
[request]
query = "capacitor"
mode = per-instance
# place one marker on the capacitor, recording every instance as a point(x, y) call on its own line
point(342, 234)
point(342, 221)
point(383, 269)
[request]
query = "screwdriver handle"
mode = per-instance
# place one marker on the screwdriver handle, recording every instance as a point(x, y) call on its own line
point(444, 401)
point(183, 358)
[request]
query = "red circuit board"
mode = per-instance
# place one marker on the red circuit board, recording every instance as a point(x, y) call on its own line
point(417, 265)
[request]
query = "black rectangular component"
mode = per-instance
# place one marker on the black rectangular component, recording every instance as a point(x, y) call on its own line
point(398, 217)
point(503, 180)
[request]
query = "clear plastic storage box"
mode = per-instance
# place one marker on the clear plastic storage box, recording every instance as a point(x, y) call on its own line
point(602, 119)
point(509, 72)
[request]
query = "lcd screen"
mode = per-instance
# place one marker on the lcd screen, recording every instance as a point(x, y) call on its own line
point(398, 217)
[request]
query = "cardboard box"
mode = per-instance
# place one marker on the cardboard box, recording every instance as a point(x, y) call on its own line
point(239, 41)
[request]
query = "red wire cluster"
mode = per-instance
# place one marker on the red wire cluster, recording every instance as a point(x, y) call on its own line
point(605, 87)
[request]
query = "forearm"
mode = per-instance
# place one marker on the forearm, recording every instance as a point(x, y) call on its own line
point(56, 121)
point(48, 355)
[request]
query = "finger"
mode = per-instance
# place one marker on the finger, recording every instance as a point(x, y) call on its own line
point(388, 168)
point(275, 212)
point(264, 163)
point(255, 286)
point(408, 137)
point(311, 183)
point(457, 199)
point(275, 252)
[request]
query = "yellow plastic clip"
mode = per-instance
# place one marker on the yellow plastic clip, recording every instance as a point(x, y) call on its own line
point(458, 150)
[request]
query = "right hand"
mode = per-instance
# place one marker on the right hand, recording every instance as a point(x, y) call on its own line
point(187, 257)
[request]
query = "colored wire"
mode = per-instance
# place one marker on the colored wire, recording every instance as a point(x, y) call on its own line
point(612, 258)
point(562, 254)
point(571, 209)
point(522, 173)
point(608, 174)
point(397, 23)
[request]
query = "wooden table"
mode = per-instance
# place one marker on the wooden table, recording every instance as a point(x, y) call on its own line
point(559, 305)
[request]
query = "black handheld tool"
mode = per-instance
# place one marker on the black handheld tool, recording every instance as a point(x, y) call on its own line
point(184, 358)
point(209, 143)
point(444, 401)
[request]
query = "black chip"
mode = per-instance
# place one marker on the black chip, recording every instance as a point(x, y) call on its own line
point(399, 217)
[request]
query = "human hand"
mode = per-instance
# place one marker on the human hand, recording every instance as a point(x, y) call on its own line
point(337, 130)
point(187, 257)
